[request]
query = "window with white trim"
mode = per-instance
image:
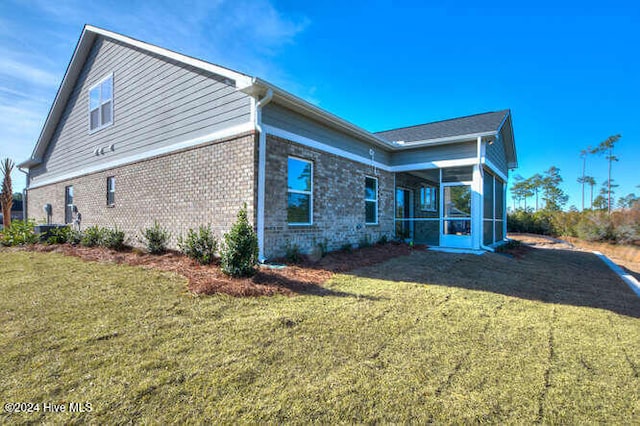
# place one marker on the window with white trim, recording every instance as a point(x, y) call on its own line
point(68, 204)
point(428, 199)
point(299, 191)
point(371, 200)
point(101, 104)
point(111, 191)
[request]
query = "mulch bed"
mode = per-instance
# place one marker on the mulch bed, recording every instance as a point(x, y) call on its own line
point(306, 277)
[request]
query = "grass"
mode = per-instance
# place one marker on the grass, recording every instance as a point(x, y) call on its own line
point(517, 341)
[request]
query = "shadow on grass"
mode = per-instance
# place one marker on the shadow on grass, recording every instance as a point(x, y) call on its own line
point(547, 275)
point(298, 286)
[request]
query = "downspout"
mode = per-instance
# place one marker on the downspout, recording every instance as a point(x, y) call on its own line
point(24, 195)
point(262, 163)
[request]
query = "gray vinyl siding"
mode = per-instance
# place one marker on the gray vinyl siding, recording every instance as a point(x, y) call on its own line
point(435, 153)
point(156, 103)
point(291, 121)
point(496, 154)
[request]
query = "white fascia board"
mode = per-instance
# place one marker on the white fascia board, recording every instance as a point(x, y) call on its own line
point(241, 80)
point(438, 164)
point(221, 134)
point(442, 141)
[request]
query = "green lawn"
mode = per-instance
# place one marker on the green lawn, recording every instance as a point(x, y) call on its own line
point(551, 338)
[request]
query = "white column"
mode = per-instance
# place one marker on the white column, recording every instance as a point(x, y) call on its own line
point(476, 201)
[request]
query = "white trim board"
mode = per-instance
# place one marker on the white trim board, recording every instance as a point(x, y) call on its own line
point(220, 134)
point(320, 146)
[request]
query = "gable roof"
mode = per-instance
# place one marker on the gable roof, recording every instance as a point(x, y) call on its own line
point(447, 131)
point(80, 54)
point(477, 124)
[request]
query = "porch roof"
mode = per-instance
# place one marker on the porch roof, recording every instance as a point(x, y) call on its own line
point(471, 124)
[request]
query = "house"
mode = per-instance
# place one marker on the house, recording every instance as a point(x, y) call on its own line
point(138, 133)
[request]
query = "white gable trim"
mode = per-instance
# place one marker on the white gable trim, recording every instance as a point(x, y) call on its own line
point(221, 134)
point(241, 79)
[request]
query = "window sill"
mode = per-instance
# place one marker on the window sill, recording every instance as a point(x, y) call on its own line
point(97, 129)
point(372, 224)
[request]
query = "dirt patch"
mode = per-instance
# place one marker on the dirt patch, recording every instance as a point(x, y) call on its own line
point(307, 277)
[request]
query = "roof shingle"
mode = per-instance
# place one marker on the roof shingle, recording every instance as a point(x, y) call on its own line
point(478, 123)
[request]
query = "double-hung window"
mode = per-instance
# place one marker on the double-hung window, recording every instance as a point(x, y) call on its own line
point(371, 200)
point(111, 191)
point(428, 198)
point(299, 191)
point(101, 104)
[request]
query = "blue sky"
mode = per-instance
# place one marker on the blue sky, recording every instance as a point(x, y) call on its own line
point(569, 71)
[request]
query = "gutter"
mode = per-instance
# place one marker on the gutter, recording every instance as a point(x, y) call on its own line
point(262, 163)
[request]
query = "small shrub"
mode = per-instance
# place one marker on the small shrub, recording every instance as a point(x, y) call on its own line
point(92, 237)
point(365, 242)
point(323, 247)
point(113, 238)
point(346, 247)
point(239, 256)
point(292, 253)
point(18, 233)
point(200, 245)
point(382, 240)
point(59, 235)
point(74, 237)
point(626, 234)
point(155, 238)
point(509, 245)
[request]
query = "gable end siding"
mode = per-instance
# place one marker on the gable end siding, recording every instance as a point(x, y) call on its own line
point(157, 103)
point(497, 155)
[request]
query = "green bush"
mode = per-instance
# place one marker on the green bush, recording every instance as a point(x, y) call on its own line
point(200, 245)
point(595, 227)
point(292, 253)
point(74, 237)
point(58, 235)
point(239, 256)
point(113, 238)
point(93, 236)
point(155, 238)
point(364, 242)
point(19, 233)
point(382, 240)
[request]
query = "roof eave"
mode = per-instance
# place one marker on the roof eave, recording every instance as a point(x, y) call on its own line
point(31, 162)
point(444, 141)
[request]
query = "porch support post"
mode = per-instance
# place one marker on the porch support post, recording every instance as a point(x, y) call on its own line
point(476, 200)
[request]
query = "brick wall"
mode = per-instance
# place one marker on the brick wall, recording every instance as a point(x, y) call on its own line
point(199, 186)
point(338, 201)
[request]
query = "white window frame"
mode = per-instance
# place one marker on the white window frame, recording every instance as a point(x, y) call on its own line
point(296, 191)
point(433, 202)
point(111, 190)
point(101, 103)
point(370, 200)
point(68, 206)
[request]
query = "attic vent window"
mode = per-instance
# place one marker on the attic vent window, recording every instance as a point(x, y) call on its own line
point(101, 104)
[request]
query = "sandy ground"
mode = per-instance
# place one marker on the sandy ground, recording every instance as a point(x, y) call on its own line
point(628, 257)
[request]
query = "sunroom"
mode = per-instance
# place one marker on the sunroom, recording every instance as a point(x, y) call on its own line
point(450, 181)
point(450, 207)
